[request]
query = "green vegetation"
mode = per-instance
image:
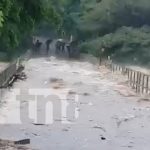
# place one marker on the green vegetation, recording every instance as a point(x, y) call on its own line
point(121, 27)
point(19, 19)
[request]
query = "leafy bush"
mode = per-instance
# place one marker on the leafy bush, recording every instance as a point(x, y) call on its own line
point(126, 43)
point(18, 19)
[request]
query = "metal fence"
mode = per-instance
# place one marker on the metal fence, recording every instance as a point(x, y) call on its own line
point(137, 80)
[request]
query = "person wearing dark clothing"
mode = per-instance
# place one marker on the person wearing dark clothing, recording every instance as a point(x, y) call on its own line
point(37, 46)
point(48, 42)
point(68, 49)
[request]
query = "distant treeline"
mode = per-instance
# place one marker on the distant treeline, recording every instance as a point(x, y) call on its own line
point(121, 27)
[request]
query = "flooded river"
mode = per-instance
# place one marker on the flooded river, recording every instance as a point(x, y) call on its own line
point(88, 112)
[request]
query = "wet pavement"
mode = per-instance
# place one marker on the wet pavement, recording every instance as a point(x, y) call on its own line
point(97, 117)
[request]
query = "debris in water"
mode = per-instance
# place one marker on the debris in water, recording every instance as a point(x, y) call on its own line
point(146, 98)
point(83, 103)
point(91, 120)
point(78, 83)
point(58, 86)
point(18, 76)
point(129, 146)
point(123, 83)
point(54, 80)
point(55, 64)
point(86, 94)
point(22, 142)
point(57, 83)
point(35, 134)
point(38, 124)
point(75, 72)
point(72, 93)
point(10, 145)
point(99, 127)
point(126, 119)
point(65, 130)
point(21, 76)
point(124, 91)
point(78, 109)
point(103, 138)
point(58, 120)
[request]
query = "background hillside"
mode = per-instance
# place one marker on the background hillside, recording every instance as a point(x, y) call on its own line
point(121, 27)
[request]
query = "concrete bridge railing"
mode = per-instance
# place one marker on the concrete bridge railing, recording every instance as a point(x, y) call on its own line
point(12, 68)
point(138, 80)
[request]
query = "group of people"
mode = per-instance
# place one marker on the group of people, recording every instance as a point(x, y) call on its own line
point(37, 44)
point(61, 46)
point(69, 47)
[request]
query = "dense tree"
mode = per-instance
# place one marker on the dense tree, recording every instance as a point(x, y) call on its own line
point(18, 18)
point(121, 26)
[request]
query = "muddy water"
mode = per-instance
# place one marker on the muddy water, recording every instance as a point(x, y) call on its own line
point(103, 119)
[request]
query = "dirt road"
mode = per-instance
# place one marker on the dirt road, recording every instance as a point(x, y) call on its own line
point(103, 119)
